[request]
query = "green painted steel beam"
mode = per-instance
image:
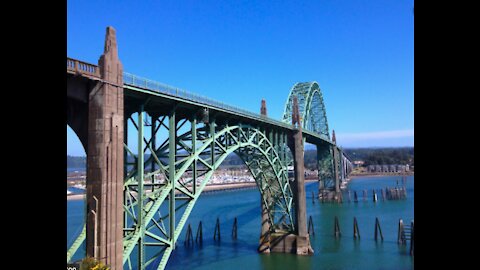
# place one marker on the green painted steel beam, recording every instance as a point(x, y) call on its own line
point(172, 174)
point(140, 179)
point(248, 138)
point(77, 243)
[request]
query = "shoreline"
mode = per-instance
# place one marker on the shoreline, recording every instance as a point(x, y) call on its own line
point(208, 188)
point(75, 197)
point(378, 175)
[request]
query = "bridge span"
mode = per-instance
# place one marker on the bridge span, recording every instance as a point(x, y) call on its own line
point(181, 138)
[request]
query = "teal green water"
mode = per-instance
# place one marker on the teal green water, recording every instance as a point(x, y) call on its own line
point(330, 253)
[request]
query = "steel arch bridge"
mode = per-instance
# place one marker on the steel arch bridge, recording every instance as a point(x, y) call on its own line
point(180, 140)
point(313, 117)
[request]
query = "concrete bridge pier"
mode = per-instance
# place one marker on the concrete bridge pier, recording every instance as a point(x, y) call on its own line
point(105, 160)
point(337, 196)
point(264, 245)
point(299, 242)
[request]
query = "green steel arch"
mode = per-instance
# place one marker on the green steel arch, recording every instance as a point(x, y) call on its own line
point(313, 117)
point(148, 218)
point(311, 107)
point(262, 159)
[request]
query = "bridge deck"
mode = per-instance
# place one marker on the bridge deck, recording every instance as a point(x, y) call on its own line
point(139, 89)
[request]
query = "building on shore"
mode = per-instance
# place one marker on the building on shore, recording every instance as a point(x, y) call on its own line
point(391, 168)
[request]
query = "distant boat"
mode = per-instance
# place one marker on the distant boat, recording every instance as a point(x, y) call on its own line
point(69, 192)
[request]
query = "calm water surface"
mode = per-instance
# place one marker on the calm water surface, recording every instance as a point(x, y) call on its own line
point(330, 253)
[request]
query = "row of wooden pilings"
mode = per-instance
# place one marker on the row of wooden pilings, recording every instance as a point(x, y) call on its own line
point(216, 234)
point(405, 232)
point(397, 193)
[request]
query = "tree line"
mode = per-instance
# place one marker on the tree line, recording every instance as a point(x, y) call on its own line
point(371, 156)
point(76, 162)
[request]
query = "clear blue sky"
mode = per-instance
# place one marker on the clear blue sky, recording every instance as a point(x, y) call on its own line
point(360, 53)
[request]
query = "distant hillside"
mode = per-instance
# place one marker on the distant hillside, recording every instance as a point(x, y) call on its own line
point(380, 156)
point(80, 162)
point(76, 162)
point(371, 156)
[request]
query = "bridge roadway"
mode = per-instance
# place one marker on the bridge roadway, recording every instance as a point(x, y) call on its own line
point(139, 89)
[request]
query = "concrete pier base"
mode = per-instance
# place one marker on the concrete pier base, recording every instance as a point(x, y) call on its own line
point(330, 196)
point(290, 243)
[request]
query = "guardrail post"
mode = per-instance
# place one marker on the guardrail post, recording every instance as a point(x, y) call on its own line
point(75, 63)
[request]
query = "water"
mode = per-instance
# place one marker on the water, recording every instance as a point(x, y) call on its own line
point(75, 221)
point(76, 169)
point(330, 253)
point(75, 190)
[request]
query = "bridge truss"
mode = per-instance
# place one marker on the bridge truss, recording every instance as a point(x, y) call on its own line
point(313, 117)
point(158, 200)
point(177, 150)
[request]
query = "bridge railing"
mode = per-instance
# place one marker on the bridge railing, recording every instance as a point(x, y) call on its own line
point(176, 92)
point(81, 67)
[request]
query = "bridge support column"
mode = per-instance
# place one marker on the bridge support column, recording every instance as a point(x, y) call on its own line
point(301, 241)
point(105, 156)
point(264, 245)
point(321, 180)
point(337, 195)
point(336, 166)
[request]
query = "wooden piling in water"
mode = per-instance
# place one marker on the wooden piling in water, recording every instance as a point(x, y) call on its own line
point(383, 195)
point(412, 238)
point(356, 231)
point(311, 229)
point(349, 197)
point(188, 237)
point(355, 197)
point(378, 229)
point(199, 236)
point(401, 232)
point(313, 197)
point(374, 196)
point(217, 231)
point(234, 229)
point(337, 228)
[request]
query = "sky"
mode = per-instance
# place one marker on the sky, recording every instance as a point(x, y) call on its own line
point(361, 54)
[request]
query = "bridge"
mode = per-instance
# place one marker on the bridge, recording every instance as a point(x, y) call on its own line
point(140, 195)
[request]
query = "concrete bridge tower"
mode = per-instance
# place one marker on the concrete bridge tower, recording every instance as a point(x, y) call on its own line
point(303, 246)
point(105, 172)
